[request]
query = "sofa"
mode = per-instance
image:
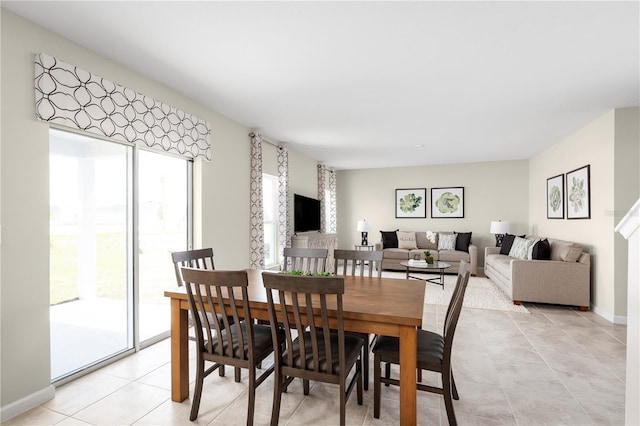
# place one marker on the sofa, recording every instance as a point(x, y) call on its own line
point(547, 271)
point(400, 246)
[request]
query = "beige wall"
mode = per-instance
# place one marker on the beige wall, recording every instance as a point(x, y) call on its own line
point(221, 197)
point(492, 191)
point(611, 176)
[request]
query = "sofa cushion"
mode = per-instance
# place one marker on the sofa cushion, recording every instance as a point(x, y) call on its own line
point(463, 240)
point(565, 250)
point(520, 248)
point(389, 239)
point(406, 240)
point(446, 241)
point(423, 242)
point(541, 250)
point(507, 242)
point(501, 264)
point(396, 253)
point(452, 256)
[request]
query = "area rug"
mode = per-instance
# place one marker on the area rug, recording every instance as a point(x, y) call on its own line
point(481, 293)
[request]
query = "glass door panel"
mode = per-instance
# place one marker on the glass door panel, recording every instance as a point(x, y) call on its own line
point(90, 251)
point(163, 224)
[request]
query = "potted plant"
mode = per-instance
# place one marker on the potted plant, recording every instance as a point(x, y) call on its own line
point(428, 257)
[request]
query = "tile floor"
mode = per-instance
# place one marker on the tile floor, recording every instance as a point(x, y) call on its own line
point(554, 366)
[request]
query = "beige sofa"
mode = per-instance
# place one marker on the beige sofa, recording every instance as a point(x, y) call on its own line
point(565, 279)
point(392, 257)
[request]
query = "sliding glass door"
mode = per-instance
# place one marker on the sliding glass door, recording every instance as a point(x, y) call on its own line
point(106, 297)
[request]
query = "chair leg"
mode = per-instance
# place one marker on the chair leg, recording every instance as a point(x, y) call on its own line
point(360, 380)
point(197, 392)
point(237, 373)
point(221, 370)
point(343, 402)
point(376, 386)
point(305, 386)
point(252, 395)
point(365, 359)
point(277, 396)
point(448, 401)
point(387, 372)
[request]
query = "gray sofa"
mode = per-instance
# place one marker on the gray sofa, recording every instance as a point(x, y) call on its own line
point(565, 279)
point(392, 257)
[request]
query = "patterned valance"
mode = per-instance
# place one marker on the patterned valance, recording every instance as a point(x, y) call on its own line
point(72, 97)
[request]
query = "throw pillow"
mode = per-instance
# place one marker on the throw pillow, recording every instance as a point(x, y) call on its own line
point(447, 241)
point(507, 241)
point(534, 241)
point(541, 250)
point(520, 248)
point(462, 241)
point(389, 239)
point(427, 240)
point(406, 240)
point(572, 254)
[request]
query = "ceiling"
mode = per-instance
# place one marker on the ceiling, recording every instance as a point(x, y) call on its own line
point(377, 84)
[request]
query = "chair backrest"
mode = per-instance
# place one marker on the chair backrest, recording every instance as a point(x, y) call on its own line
point(225, 294)
point(198, 259)
point(454, 309)
point(305, 259)
point(305, 302)
point(360, 261)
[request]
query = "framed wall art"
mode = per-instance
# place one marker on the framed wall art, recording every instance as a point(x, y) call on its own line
point(447, 202)
point(579, 193)
point(411, 203)
point(555, 197)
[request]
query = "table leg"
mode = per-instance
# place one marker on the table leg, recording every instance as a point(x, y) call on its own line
point(179, 352)
point(408, 364)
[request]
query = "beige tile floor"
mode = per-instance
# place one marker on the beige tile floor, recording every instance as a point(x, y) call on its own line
point(554, 366)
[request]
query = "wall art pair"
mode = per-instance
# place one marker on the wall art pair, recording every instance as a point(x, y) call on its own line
point(445, 202)
point(576, 190)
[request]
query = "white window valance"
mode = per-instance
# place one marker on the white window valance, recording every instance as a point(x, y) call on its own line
point(73, 97)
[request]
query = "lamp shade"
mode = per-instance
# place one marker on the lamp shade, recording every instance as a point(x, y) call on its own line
point(499, 227)
point(364, 226)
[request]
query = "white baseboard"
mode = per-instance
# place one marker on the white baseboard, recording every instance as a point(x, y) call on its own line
point(27, 403)
point(616, 319)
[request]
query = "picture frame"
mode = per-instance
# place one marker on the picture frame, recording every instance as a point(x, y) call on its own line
point(411, 203)
point(447, 202)
point(555, 197)
point(578, 186)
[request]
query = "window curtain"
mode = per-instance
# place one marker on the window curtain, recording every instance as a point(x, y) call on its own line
point(256, 225)
point(284, 224)
point(327, 198)
point(73, 97)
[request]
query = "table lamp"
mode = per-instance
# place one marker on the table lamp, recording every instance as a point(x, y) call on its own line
point(364, 227)
point(499, 228)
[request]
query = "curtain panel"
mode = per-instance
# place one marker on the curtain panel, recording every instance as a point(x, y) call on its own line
point(256, 225)
point(73, 97)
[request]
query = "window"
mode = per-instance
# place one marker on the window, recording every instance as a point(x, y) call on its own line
point(270, 207)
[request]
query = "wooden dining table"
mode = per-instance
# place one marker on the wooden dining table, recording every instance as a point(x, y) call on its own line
point(387, 306)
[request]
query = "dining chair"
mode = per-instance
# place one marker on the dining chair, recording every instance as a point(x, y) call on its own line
point(319, 352)
point(199, 259)
point(356, 262)
point(305, 259)
point(241, 343)
point(434, 352)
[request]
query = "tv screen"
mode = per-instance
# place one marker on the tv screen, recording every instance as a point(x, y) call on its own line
point(306, 214)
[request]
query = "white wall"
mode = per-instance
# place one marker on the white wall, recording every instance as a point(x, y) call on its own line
point(597, 145)
point(221, 198)
point(492, 191)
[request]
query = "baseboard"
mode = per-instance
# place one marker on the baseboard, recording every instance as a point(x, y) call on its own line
point(616, 319)
point(25, 404)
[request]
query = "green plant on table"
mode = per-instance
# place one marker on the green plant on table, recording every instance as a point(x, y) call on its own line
point(307, 273)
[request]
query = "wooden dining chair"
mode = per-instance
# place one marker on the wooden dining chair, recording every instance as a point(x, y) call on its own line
point(434, 352)
point(305, 259)
point(199, 259)
point(319, 352)
point(241, 343)
point(356, 262)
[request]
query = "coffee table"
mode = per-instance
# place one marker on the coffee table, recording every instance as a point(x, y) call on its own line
point(426, 267)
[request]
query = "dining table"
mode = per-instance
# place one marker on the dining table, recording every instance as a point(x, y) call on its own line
point(385, 306)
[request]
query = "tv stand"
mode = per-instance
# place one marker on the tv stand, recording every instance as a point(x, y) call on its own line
point(321, 240)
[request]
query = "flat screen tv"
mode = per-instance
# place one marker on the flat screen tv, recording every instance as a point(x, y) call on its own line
point(306, 214)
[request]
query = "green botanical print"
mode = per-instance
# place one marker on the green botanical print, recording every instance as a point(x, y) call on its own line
point(409, 203)
point(448, 203)
point(555, 198)
point(578, 194)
